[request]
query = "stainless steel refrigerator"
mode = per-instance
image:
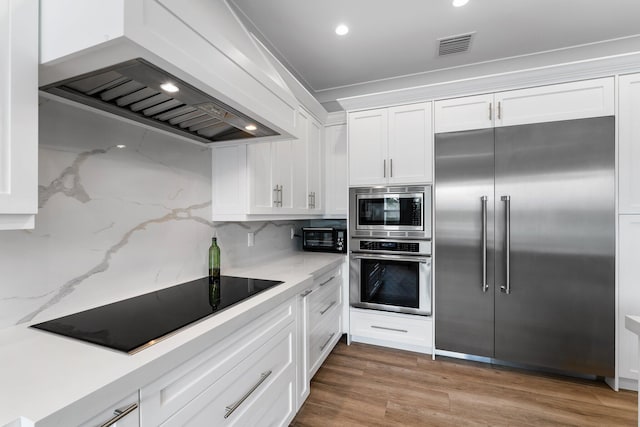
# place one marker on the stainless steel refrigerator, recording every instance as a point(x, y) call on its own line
point(525, 244)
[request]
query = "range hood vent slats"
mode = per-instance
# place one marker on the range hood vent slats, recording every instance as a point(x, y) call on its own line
point(175, 113)
point(162, 107)
point(152, 101)
point(133, 90)
point(121, 90)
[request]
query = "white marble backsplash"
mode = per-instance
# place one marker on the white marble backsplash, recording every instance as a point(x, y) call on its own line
point(117, 222)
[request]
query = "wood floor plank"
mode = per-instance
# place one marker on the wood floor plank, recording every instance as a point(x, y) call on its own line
point(364, 385)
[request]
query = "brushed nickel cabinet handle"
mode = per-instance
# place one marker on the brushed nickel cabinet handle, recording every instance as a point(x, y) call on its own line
point(323, 346)
point(499, 111)
point(327, 281)
point(390, 329)
point(231, 408)
point(490, 111)
point(305, 293)
point(390, 168)
point(322, 312)
point(384, 168)
point(120, 414)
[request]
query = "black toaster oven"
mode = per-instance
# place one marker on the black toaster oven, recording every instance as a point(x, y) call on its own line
point(324, 239)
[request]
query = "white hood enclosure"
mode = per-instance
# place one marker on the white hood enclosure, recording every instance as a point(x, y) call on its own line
point(118, 56)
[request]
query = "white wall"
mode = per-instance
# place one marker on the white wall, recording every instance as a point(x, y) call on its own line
point(116, 222)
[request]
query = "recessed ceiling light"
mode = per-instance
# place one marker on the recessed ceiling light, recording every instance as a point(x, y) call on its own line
point(121, 146)
point(459, 3)
point(342, 29)
point(169, 87)
point(251, 127)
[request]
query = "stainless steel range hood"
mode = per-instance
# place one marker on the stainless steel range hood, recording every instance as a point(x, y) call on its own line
point(142, 92)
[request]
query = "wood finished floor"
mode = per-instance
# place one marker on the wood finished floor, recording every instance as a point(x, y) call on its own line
point(363, 385)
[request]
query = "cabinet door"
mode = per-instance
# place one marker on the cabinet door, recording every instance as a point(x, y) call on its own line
point(229, 180)
point(567, 101)
point(314, 167)
point(262, 193)
point(299, 184)
point(368, 147)
point(337, 181)
point(410, 144)
point(629, 289)
point(629, 144)
point(467, 113)
point(282, 172)
point(18, 114)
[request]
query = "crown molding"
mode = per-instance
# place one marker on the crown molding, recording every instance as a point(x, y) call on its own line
point(531, 77)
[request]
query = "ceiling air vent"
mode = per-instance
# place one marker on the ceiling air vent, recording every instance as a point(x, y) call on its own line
point(454, 44)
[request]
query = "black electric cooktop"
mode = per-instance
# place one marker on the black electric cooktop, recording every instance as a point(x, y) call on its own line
point(136, 323)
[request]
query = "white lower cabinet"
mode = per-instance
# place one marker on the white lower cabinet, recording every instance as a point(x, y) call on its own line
point(319, 327)
point(397, 330)
point(245, 379)
point(629, 297)
point(122, 414)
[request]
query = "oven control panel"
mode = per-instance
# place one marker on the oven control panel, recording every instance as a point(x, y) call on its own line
point(408, 247)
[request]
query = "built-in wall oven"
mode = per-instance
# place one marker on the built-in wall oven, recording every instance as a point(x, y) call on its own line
point(390, 259)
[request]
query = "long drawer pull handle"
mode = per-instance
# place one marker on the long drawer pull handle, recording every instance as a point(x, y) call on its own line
point(327, 309)
point(389, 329)
point(305, 293)
point(231, 408)
point(120, 414)
point(327, 281)
point(322, 347)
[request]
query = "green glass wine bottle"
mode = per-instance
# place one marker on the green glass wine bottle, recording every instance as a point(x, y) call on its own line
point(214, 261)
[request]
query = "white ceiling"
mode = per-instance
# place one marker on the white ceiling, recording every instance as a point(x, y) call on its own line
point(394, 40)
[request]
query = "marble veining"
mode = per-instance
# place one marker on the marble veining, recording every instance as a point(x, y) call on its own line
point(118, 222)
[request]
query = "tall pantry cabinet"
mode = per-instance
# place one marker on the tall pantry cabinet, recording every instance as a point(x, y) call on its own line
point(628, 222)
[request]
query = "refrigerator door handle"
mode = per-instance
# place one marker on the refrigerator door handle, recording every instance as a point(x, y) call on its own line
point(507, 207)
point(485, 285)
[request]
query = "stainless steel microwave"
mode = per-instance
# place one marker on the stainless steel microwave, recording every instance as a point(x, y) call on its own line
point(384, 212)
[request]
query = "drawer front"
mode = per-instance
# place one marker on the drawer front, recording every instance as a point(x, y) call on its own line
point(165, 396)
point(248, 390)
point(406, 329)
point(323, 300)
point(323, 338)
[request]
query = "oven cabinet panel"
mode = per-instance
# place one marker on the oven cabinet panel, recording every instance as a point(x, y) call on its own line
point(252, 370)
point(122, 414)
point(396, 330)
point(391, 145)
point(18, 114)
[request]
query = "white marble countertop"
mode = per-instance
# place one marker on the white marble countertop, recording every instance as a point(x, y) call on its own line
point(632, 323)
point(46, 378)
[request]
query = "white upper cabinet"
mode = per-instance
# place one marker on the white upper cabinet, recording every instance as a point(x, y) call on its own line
point(466, 113)
point(368, 139)
point(629, 145)
point(315, 156)
point(565, 101)
point(18, 114)
point(391, 145)
point(410, 142)
point(337, 180)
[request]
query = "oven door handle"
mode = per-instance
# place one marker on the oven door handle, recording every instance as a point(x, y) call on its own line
point(422, 260)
